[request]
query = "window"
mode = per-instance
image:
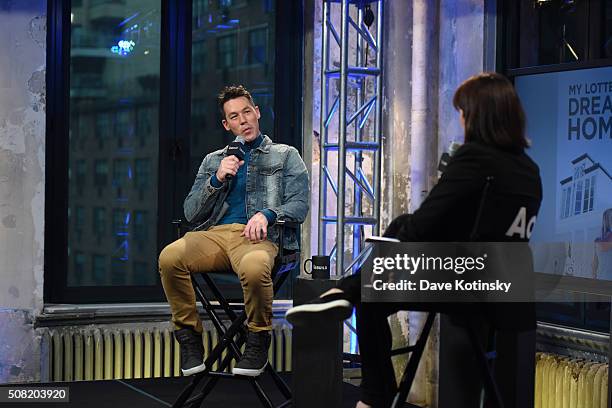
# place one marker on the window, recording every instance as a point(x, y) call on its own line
point(556, 32)
point(120, 127)
point(578, 198)
point(226, 51)
point(140, 228)
point(124, 128)
point(79, 220)
point(591, 193)
point(99, 221)
point(100, 173)
point(99, 269)
point(258, 40)
point(142, 273)
point(142, 173)
point(198, 60)
point(103, 127)
point(81, 170)
point(568, 199)
point(121, 175)
point(587, 190)
point(79, 269)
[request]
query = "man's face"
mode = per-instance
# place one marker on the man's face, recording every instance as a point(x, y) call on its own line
point(241, 118)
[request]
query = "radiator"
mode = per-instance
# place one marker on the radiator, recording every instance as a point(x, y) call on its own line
point(565, 382)
point(102, 354)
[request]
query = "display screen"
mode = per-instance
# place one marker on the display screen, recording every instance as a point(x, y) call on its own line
point(569, 122)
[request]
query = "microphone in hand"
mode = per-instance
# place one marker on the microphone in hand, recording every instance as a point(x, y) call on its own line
point(446, 156)
point(236, 149)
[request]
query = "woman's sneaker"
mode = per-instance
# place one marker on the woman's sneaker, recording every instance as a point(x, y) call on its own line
point(329, 308)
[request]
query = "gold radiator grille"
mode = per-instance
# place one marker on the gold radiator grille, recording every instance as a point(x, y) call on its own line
point(565, 382)
point(103, 354)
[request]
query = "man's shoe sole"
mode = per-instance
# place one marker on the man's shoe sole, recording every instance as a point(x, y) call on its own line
point(336, 310)
point(194, 370)
point(249, 372)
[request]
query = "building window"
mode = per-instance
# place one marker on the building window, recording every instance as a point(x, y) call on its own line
point(578, 201)
point(103, 127)
point(258, 40)
point(121, 176)
point(119, 272)
point(99, 221)
point(226, 51)
point(142, 174)
point(124, 129)
point(199, 12)
point(79, 269)
point(99, 269)
point(100, 173)
point(142, 273)
point(81, 170)
point(140, 228)
point(79, 220)
point(199, 57)
point(568, 201)
point(565, 202)
point(557, 32)
point(591, 193)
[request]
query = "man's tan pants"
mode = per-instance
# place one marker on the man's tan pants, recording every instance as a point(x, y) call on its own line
point(219, 249)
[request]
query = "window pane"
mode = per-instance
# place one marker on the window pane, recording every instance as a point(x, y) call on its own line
point(114, 97)
point(578, 197)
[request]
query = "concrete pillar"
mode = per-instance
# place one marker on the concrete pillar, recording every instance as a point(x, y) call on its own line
point(22, 152)
point(423, 141)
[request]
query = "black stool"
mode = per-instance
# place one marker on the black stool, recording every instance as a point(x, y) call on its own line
point(234, 336)
point(485, 359)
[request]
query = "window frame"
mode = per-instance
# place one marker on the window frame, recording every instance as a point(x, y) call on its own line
point(173, 136)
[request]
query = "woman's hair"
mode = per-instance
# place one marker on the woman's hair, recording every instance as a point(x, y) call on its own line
point(492, 112)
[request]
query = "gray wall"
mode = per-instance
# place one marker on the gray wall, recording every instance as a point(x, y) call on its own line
point(22, 165)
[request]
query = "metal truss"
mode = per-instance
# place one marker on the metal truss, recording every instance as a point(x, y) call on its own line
point(351, 128)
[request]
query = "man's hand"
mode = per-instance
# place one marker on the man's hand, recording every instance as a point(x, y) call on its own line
point(229, 165)
point(256, 229)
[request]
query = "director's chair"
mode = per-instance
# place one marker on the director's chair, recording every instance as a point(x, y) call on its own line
point(232, 337)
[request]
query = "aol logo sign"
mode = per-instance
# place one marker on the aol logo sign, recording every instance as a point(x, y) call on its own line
point(521, 226)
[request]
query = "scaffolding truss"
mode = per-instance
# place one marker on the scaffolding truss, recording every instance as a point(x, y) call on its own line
point(351, 113)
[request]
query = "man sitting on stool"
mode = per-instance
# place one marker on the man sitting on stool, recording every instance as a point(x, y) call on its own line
point(233, 201)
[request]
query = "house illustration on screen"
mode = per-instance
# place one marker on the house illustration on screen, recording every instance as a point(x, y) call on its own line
point(582, 199)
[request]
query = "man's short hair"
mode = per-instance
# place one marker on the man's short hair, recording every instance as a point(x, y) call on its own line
point(232, 92)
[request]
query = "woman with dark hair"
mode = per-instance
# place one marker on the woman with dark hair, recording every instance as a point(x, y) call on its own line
point(491, 160)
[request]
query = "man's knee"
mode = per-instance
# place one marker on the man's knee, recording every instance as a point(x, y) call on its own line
point(171, 257)
point(256, 267)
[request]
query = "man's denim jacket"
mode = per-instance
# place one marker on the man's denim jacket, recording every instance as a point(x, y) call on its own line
point(276, 179)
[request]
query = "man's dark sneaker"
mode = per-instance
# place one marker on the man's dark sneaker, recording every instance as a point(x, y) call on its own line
point(255, 357)
point(192, 351)
point(329, 308)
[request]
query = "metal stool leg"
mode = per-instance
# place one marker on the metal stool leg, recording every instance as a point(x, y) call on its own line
point(413, 363)
point(481, 355)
